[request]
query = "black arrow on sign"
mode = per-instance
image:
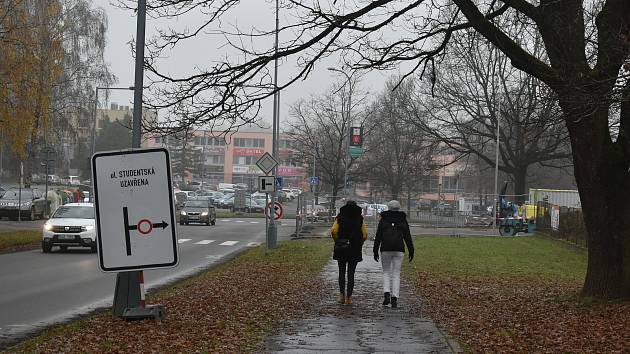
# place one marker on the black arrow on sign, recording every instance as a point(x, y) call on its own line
point(162, 224)
point(128, 227)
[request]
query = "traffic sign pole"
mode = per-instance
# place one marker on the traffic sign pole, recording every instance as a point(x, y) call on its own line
point(128, 291)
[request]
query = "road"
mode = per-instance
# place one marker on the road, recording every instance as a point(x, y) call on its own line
point(39, 289)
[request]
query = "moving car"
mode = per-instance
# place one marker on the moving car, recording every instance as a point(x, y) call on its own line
point(198, 211)
point(31, 206)
point(72, 225)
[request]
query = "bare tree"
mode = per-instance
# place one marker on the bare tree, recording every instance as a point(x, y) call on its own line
point(586, 47)
point(397, 152)
point(477, 88)
point(320, 127)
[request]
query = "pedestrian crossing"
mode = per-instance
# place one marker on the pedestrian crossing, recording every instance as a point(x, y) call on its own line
point(224, 243)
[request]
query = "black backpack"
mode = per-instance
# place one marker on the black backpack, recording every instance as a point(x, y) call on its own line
point(393, 234)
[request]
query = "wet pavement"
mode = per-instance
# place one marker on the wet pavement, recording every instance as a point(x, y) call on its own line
point(365, 326)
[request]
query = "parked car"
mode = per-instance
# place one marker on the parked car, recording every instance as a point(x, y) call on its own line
point(444, 209)
point(375, 209)
point(226, 202)
point(289, 193)
point(2, 191)
point(72, 225)
point(198, 211)
point(253, 206)
point(73, 180)
point(54, 179)
point(33, 204)
point(423, 204)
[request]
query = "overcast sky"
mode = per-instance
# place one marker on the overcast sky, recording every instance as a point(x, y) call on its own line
point(122, 28)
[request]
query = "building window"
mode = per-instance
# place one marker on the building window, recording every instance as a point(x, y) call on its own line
point(214, 141)
point(244, 160)
point(215, 160)
point(247, 142)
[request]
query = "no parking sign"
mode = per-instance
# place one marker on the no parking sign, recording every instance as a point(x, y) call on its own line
point(277, 208)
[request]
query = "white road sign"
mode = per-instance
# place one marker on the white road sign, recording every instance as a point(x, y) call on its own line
point(266, 163)
point(266, 184)
point(135, 220)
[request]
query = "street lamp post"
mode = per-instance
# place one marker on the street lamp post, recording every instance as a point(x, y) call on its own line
point(94, 119)
point(497, 202)
point(349, 120)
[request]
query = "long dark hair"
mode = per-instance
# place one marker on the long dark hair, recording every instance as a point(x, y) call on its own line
point(350, 221)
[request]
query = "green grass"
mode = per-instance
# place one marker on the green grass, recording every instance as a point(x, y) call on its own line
point(505, 257)
point(19, 239)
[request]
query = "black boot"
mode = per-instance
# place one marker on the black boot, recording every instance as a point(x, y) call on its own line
point(394, 302)
point(386, 300)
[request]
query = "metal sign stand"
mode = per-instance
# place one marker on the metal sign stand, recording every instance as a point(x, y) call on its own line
point(128, 302)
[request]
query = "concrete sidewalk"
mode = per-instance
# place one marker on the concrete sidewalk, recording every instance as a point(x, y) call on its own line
point(364, 327)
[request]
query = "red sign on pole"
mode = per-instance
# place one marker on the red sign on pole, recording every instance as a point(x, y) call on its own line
point(277, 208)
point(356, 136)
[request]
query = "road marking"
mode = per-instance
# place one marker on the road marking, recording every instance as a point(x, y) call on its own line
point(204, 242)
point(254, 244)
point(228, 243)
point(239, 221)
point(227, 220)
point(253, 222)
point(182, 240)
point(213, 257)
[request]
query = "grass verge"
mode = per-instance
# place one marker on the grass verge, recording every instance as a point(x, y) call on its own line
point(226, 309)
point(516, 294)
point(11, 241)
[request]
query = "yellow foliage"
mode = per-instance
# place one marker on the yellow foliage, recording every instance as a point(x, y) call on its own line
point(30, 64)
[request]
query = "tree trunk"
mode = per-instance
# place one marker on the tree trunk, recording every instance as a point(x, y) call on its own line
point(520, 184)
point(601, 175)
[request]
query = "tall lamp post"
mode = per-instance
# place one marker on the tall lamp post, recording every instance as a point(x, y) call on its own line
point(94, 119)
point(349, 119)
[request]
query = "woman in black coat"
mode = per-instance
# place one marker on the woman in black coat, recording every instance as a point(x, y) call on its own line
point(349, 233)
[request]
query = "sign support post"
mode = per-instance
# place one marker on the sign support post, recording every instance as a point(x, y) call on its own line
point(127, 294)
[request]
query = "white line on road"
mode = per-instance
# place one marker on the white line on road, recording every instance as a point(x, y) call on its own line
point(239, 221)
point(253, 222)
point(228, 243)
point(204, 242)
point(227, 220)
point(182, 240)
point(254, 244)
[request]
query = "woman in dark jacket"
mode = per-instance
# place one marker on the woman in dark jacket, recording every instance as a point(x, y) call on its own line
point(349, 233)
point(391, 236)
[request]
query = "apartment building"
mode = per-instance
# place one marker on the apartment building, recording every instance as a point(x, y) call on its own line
point(230, 157)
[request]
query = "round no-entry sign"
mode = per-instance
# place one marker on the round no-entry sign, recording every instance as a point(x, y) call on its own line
point(278, 211)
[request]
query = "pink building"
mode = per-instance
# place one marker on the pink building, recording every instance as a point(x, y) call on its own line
point(231, 157)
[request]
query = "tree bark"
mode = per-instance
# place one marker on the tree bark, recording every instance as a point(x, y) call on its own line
point(602, 177)
point(520, 184)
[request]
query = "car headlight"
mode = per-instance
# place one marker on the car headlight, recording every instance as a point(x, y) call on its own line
point(205, 213)
point(48, 227)
point(88, 228)
point(183, 212)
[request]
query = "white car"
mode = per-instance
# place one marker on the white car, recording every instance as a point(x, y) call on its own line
point(375, 209)
point(289, 193)
point(72, 225)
